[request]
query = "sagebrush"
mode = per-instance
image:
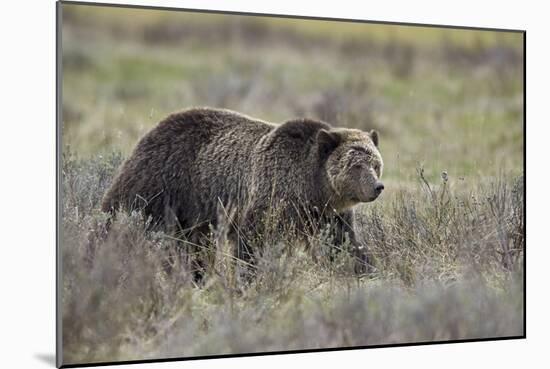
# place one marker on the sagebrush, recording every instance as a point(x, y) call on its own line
point(447, 265)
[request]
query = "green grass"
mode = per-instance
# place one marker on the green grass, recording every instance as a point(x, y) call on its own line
point(448, 258)
point(420, 94)
point(131, 21)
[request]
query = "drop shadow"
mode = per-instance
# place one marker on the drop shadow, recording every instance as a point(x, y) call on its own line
point(46, 358)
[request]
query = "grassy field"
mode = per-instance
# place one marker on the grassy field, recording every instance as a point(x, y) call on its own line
point(448, 254)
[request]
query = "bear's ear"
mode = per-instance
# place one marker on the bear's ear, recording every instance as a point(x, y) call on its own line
point(327, 142)
point(374, 137)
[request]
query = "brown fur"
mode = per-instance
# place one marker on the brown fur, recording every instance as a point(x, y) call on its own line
point(200, 161)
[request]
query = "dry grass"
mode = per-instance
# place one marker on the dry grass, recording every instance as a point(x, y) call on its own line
point(448, 265)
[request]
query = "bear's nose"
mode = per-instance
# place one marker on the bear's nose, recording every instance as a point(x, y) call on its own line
point(379, 187)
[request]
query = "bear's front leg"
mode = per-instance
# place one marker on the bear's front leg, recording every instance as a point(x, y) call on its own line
point(247, 237)
point(343, 226)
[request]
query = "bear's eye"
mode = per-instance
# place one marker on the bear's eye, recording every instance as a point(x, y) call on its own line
point(359, 149)
point(362, 152)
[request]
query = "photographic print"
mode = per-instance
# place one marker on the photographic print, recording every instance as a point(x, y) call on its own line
point(239, 184)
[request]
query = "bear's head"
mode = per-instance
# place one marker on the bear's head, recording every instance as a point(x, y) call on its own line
point(353, 165)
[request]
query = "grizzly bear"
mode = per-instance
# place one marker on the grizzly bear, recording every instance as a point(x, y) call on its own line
point(200, 162)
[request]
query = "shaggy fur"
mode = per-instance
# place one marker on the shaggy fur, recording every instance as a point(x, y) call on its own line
point(200, 162)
